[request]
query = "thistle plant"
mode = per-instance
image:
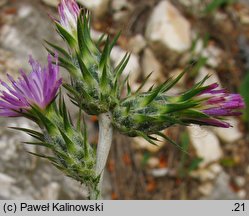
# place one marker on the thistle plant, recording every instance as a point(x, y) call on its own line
point(96, 88)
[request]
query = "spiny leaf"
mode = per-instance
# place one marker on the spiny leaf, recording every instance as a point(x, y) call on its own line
point(105, 54)
point(121, 66)
point(59, 49)
point(148, 99)
point(65, 116)
point(85, 72)
point(32, 133)
point(192, 92)
point(115, 40)
point(139, 133)
point(171, 141)
point(100, 39)
point(53, 159)
point(82, 43)
point(44, 144)
point(69, 144)
point(171, 83)
point(85, 139)
point(70, 89)
point(66, 35)
point(104, 80)
point(49, 125)
point(176, 107)
point(143, 83)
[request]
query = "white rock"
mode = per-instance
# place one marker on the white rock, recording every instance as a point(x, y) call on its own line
point(53, 3)
point(229, 135)
point(206, 144)
point(99, 7)
point(167, 27)
point(133, 66)
point(137, 44)
point(151, 64)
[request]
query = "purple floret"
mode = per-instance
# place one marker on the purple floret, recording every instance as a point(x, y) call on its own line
point(219, 104)
point(36, 88)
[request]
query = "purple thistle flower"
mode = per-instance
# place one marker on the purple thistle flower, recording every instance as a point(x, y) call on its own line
point(218, 103)
point(69, 12)
point(36, 88)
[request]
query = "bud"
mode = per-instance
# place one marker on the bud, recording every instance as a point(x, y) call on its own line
point(95, 84)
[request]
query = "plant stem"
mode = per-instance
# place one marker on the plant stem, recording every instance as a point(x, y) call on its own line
point(104, 145)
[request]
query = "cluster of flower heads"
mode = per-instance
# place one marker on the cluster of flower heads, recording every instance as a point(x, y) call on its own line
point(40, 86)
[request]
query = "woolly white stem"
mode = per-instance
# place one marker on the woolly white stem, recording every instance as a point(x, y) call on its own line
point(104, 145)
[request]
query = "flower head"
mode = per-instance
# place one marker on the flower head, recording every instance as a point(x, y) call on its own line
point(36, 88)
point(218, 103)
point(69, 12)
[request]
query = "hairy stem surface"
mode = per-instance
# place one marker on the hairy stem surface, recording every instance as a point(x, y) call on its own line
point(104, 145)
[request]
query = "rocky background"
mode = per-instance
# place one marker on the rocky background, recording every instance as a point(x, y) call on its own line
point(163, 36)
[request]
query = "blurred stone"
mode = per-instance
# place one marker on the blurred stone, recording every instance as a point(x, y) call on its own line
point(151, 64)
point(137, 44)
point(2, 2)
point(99, 7)
point(53, 3)
point(241, 194)
point(211, 52)
point(168, 30)
point(24, 34)
point(247, 170)
point(6, 180)
point(159, 172)
point(206, 144)
point(229, 135)
point(206, 188)
point(213, 55)
point(133, 66)
point(207, 173)
point(212, 79)
point(121, 10)
point(222, 189)
point(51, 191)
point(153, 162)
point(240, 181)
